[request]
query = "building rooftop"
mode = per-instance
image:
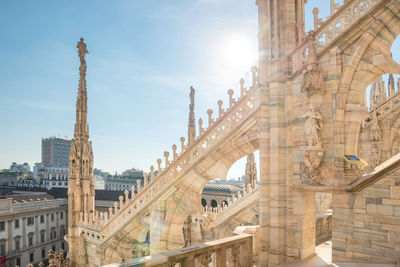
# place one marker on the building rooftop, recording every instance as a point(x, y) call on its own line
point(107, 195)
point(229, 189)
point(23, 198)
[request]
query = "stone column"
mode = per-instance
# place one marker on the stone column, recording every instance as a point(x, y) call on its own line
point(9, 234)
point(22, 246)
point(37, 230)
point(301, 244)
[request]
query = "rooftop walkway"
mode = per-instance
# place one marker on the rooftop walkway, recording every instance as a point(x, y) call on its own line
point(324, 258)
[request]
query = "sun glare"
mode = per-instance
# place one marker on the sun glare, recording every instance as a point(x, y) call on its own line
point(238, 52)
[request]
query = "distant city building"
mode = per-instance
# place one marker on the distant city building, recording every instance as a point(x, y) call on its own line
point(14, 167)
point(31, 225)
point(216, 194)
point(9, 178)
point(55, 151)
point(51, 176)
point(120, 183)
point(99, 182)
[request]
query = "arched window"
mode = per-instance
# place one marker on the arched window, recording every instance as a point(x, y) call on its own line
point(203, 202)
point(224, 203)
point(214, 203)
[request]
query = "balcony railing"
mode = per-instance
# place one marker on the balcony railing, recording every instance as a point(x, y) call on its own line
point(233, 251)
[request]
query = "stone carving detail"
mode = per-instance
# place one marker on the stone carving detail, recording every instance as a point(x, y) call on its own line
point(313, 81)
point(340, 21)
point(55, 260)
point(187, 231)
point(235, 255)
point(375, 132)
point(313, 153)
point(251, 172)
point(206, 258)
point(312, 160)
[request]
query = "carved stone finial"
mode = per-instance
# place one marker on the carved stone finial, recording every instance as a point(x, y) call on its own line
point(182, 139)
point(166, 155)
point(174, 155)
point(210, 120)
point(316, 19)
point(254, 75)
point(230, 93)
point(159, 165)
point(242, 89)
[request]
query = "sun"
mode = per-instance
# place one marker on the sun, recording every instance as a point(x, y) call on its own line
point(238, 52)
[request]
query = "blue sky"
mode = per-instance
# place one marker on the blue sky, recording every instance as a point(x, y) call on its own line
point(143, 57)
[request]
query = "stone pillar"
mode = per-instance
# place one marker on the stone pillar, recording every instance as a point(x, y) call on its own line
point(9, 235)
point(22, 246)
point(301, 230)
point(264, 55)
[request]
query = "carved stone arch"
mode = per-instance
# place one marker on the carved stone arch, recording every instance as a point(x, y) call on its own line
point(362, 67)
point(190, 189)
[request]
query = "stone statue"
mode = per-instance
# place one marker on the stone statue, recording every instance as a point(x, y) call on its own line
point(375, 129)
point(191, 106)
point(251, 172)
point(199, 230)
point(82, 51)
point(312, 126)
point(187, 231)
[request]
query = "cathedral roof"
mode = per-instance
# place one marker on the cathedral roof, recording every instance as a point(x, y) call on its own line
point(106, 195)
point(212, 188)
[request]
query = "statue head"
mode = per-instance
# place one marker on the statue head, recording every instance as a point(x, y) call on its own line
point(82, 39)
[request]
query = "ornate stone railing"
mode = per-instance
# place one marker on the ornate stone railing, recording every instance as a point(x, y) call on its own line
point(328, 29)
point(105, 224)
point(235, 204)
point(389, 105)
point(340, 21)
point(233, 251)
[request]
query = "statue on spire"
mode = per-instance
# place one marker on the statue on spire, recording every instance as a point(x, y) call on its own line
point(82, 51)
point(192, 123)
point(251, 172)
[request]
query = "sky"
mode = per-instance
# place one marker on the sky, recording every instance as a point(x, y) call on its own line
point(143, 58)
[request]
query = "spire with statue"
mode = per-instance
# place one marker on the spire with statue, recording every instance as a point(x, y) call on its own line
point(81, 176)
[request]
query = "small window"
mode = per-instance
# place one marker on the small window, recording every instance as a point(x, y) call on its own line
point(2, 226)
point(18, 261)
point(52, 217)
point(3, 249)
point(41, 218)
point(53, 248)
point(31, 258)
point(16, 223)
point(17, 244)
point(30, 240)
point(62, 246)
point(43, 253)
point(42, 236)
point(30, 221)
point(62, 215)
